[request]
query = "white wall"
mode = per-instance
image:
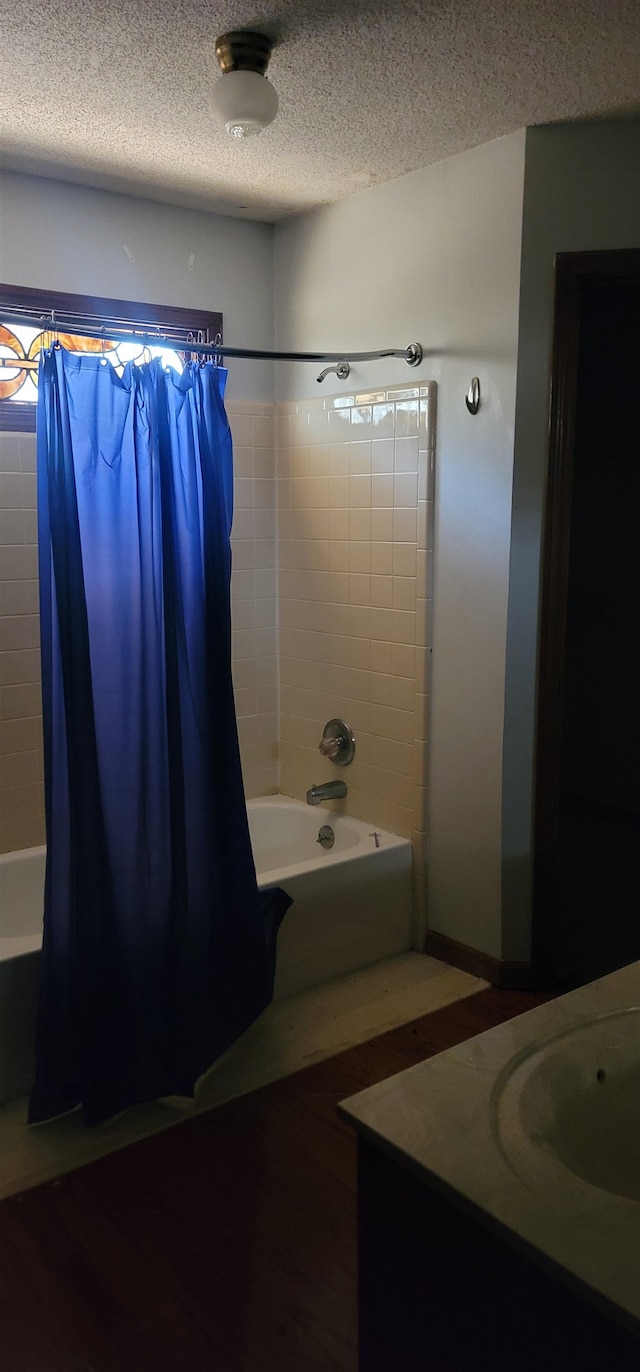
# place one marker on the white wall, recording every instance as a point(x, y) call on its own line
point(63, 237)
point(581, 193)
point(435, 257)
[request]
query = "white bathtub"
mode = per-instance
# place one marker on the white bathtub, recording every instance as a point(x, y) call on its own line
point(352, 906)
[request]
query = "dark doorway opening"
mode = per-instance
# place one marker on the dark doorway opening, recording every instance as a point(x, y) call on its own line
point(587, 828)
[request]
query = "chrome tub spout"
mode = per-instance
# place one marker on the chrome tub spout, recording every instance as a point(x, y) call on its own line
point(329, 790)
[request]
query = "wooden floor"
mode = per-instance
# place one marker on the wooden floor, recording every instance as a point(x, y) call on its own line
point(226, 1244)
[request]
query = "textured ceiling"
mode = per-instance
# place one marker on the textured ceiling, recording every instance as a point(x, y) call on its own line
point(114, 93)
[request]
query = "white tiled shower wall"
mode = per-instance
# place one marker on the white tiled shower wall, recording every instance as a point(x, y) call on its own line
point(21, 781)
point(355, 538)
point(354, 511)
point(253, 593)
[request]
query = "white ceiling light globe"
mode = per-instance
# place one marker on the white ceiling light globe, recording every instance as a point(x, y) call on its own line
point(244, 102)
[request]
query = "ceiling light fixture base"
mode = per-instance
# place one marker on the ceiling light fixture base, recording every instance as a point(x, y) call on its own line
point(243, 100)
point(240, 51)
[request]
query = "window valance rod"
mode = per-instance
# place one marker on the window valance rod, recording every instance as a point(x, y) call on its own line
point(152, 337)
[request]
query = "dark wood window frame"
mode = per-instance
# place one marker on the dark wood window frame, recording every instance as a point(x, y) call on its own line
point(20, 416)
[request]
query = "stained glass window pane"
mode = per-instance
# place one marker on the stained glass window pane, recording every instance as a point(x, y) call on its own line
point(20, 347)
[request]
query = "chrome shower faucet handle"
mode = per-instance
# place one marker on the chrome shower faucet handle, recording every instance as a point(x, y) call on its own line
point(337, 742)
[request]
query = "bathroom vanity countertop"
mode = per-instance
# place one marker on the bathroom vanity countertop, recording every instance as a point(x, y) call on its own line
point(439, 1121)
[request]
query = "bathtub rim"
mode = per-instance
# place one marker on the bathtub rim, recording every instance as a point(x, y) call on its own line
point(323, 861)
point(22, 945)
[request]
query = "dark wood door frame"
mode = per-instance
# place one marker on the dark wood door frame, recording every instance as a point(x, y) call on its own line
point(573, 270)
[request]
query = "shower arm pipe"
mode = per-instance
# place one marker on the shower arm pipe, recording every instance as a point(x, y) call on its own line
point(60, 323)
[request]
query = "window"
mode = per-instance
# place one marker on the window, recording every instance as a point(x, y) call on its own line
point(21, 343)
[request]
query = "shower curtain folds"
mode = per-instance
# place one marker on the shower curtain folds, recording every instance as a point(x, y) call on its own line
point(158, 949)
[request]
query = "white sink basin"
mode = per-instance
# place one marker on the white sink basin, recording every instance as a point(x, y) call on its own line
point(566, 1110)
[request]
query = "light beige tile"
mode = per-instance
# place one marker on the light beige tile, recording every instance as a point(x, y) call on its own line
point(11, 492)
point(382, 525)
point(18, 597)
point(20, 702)
point(245, 701)
point(266, 612)
point(382, 559)
point(244, 672)
point(404, 593)
point(19, 631)
point(404, 627)
point(382, 624)
point(338, 588)
point(380, 724)
point(383, 456)
point(339, 492)
point(360, 458)
point(405, 489)
point(243, 526)
point(359, 652)
point(360, 525)
point(14, 563)
point(242, 585)
point(339, 457)
point(360, 491)
point(243, 643)
point(405, 526)
point(402, 726)
point(403, 693)
point(243, 614)
point(9, 452)
point(20, 735)
point(265, 553)
point(406, 455)
point(22, 833)
point(381, 690)
point(403, 660)
point(266, 671)
point(264, 524)
point(381, 656)
point(262, 432)
point(339, 524)
point(406, 418)
point(404, 559)
point(383, 421)
point(360, 557)
point(360, 621)
point(382, 592)
point(382, 492)
point(361, 421)
point(22, 802)
point(318, 426)
point(244, 555)
point(339, 426)
point(338, 555)
point(21, 769)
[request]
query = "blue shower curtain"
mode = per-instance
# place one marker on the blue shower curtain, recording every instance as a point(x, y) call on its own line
point(158, 951)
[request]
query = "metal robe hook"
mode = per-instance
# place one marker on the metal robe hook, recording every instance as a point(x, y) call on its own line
point(472, 398)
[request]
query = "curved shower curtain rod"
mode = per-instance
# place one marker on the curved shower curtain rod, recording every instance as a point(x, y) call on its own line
point(151, 337)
